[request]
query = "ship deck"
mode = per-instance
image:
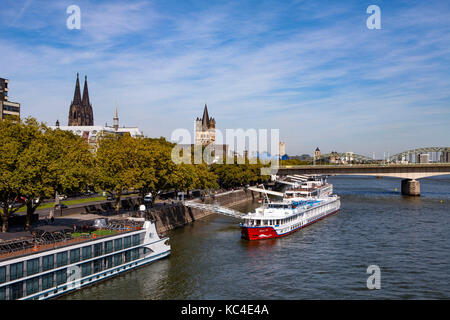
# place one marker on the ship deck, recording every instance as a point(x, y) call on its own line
point(49, 237)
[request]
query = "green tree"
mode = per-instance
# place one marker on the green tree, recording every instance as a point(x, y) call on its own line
point(117, 165)
point(11, 146)
point(57, 162)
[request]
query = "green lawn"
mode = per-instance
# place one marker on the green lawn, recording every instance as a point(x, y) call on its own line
point(99, 233)
point(67, 203)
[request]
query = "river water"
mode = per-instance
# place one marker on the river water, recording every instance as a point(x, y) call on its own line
point(408, 238)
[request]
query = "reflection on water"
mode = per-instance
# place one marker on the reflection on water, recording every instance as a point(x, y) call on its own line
point(407, 237)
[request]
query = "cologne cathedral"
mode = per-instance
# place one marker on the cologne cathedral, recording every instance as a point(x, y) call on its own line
point(80, 112)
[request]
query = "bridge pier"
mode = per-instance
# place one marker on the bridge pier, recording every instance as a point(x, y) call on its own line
point(410, 187)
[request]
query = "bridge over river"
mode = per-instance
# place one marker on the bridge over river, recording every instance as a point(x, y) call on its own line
point(408, 172)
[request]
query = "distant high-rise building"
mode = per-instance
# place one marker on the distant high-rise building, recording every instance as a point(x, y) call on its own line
point(282, 149)
point(423, 158)
point(445, 156)
point(8, 109)
point(80, 112)
point(205, 129)
point(116, 120)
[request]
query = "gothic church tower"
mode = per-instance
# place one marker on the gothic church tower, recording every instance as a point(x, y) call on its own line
point(205, 129)
point(80, 112)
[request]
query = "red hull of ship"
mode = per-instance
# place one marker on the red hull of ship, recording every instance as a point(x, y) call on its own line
point(261, 233)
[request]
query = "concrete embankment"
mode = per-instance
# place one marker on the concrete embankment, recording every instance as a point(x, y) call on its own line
point(177, 215)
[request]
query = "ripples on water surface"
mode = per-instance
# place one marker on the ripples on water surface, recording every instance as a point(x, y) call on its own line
point(408, 238)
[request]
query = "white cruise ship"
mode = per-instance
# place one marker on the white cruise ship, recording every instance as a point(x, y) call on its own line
point(57, 260)
point(298, 206)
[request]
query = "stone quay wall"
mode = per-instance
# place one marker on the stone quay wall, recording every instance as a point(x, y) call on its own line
point(176, 215)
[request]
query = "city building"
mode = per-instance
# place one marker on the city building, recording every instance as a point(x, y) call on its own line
point(205, 135)
point(80, 112)
point(282, 149)
point(317, 153)
point(445, 156)
point(335, 158)
point(423, 158)
point(81, 120)
point(8, 109)
point(92, 134)
point(205, 129)
point(349, 156)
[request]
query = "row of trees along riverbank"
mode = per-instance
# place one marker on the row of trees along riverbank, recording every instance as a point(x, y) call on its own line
point(37, 162)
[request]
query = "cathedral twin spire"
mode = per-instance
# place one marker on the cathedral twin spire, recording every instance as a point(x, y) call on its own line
point(80, 113)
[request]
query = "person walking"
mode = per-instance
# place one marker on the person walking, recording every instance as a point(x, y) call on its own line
point(52, 215)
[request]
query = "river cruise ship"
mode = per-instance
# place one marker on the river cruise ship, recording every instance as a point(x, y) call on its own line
point(300, 205)
point(55, 260)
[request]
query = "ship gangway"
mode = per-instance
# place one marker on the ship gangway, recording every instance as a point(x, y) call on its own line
point(216, 208)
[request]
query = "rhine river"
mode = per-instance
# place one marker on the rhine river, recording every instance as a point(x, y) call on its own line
point(407, 238)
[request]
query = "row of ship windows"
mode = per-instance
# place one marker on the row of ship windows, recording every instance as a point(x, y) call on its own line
point(322, 209)
point(256, 222)
point(17, 270)
point(41, 283)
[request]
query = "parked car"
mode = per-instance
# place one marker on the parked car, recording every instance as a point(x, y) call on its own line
point(148, 198)
point(110, 197)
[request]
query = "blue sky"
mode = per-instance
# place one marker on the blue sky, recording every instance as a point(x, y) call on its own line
point(309, 68)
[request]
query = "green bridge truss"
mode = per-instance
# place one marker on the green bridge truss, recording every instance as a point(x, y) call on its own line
point(406, 154)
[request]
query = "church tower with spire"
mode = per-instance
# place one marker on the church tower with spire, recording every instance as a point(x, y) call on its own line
point(80, 112)
point(205, 129)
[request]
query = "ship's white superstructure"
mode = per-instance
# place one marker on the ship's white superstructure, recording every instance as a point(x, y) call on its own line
point(47, 270)
point(300, 205)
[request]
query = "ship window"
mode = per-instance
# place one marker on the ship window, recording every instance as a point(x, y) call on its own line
point(47, 281)
point(98, 265)
point(108, 262)
point(127, 242)
point(85, 269)
point(86, 252)
point(32, 266)
point(135, 254)
point(74, 255)
point(108, 246)
point(15, 271)
point(61, 259)
point(2, 274)
point(32, 286)
point(118, 244)
point(98, 249)
point(128, 256)
point(117, 259)
point(136, 240)
point(16, 291)
point(47, 263)
point(61, 277)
